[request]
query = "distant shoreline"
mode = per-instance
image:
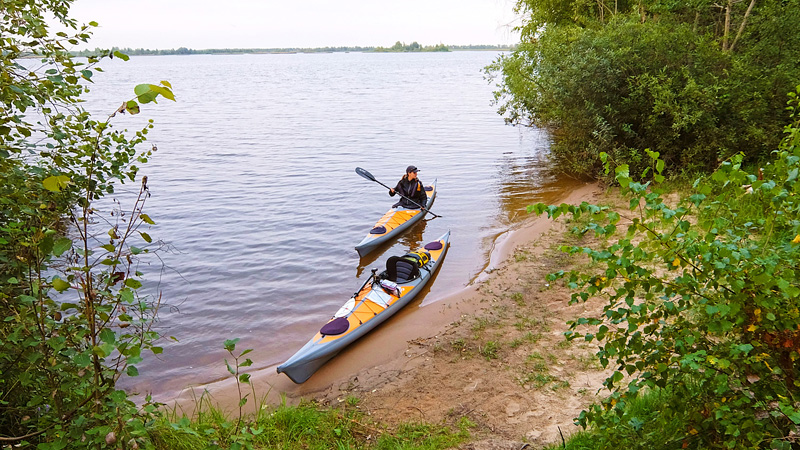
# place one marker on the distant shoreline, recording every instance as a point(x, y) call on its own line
point(278, 51)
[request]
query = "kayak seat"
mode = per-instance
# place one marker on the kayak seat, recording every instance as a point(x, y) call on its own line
point(428, 188)
point(400, 270)
point(378, 230)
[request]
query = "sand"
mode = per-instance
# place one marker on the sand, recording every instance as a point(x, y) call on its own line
point(493, 353)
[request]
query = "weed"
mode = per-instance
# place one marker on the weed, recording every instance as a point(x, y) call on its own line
point(489, 350)
point(481, 323)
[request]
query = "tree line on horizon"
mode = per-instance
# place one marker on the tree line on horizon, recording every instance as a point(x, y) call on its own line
point(398, 47)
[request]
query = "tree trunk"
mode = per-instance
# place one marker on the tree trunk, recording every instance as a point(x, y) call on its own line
point(741, 26)
point(727, 30)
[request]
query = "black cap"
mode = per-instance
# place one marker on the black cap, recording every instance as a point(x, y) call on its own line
point(410, 169)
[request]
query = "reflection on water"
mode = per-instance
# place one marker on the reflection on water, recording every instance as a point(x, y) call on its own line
point(411, 240)
point(526, 179)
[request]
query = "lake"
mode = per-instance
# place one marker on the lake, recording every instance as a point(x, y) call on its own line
point(254, 189)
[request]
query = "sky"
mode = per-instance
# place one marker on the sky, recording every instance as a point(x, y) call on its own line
point(202, 24)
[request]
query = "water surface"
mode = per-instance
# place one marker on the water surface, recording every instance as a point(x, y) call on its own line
point(253, 187)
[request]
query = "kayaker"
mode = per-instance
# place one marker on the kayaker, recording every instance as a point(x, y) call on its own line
point(410, 188)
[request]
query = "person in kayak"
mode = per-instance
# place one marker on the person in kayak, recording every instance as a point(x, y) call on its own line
point(411, 190)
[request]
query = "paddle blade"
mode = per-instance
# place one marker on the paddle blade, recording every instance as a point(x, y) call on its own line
point(365, 174)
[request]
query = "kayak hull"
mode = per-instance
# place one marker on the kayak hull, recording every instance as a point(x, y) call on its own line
point(395, 223)
point(364, 317)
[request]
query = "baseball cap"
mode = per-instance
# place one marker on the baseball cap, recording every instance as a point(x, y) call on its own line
point(410, 169)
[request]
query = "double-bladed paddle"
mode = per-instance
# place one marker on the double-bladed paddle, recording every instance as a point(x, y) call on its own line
point(369, 176)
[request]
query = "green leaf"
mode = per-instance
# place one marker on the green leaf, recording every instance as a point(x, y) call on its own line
point(133, 283)
point(132, 371)
point(146, 237)
point(61, 245)
point(230, 369)
point(147, 219)
point(13, 280)
point(126, 295)
point(82, 360)
point(108, 336)
point(132, 107)
point(56, 183)
point(60, 285)
point(163, 91)
point(230, 344)
point(144, 93)
point(244, 378)
point(121, 55)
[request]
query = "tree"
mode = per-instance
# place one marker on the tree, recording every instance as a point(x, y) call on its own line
point(696, 80)
point(73, 321)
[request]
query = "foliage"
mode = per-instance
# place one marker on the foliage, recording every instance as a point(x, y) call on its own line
point(73, 319)
point(412, 47)
point(702, 298)
point(644, 424)
point(696, 80)
point(243, 436)
point(302, 426)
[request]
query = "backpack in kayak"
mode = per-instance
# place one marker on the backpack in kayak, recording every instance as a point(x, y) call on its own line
point(419, 258)
point(401, 270)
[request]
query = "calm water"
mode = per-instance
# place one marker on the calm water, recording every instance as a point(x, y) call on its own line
point(255, 191)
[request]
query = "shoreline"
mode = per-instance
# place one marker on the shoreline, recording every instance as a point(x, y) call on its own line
point(395, 350)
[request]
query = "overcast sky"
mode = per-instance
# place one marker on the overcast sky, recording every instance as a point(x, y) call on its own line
point(201, 24)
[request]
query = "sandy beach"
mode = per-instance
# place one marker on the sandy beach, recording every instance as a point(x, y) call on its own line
point(493, 353)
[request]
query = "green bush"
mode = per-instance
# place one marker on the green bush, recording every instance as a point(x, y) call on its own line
point(656, 74)
point(702, 298)
point(73, 321)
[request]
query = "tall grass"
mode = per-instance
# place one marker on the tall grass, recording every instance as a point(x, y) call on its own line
point(305, 426)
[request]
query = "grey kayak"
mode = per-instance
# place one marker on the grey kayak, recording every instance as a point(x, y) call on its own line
point(377, 300)
point(394, 223)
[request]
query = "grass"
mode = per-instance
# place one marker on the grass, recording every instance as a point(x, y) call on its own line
point(644, 424)
point(304, 426)
point(489, 350)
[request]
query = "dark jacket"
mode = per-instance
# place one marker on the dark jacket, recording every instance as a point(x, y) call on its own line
point(411, 189)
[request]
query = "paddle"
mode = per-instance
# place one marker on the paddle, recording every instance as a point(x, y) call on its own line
point(369, 176)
